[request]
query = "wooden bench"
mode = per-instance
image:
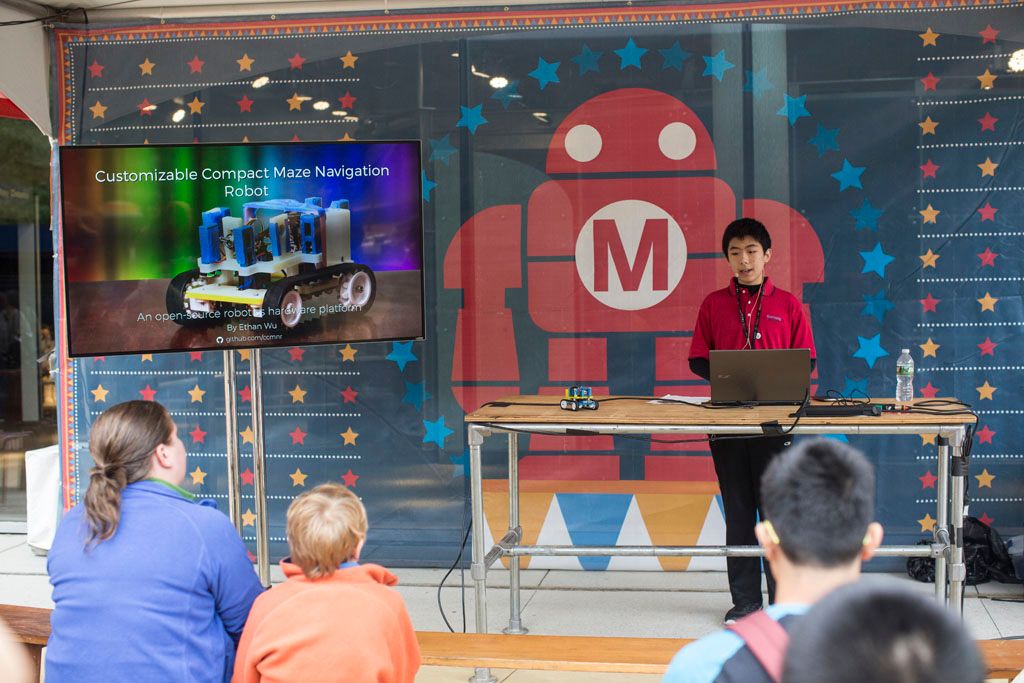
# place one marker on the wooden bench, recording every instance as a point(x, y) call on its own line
point(30, 626)
point(1003, 658)
point(551, 653)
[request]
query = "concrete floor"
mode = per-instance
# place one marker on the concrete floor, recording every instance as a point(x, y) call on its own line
point(652, 604)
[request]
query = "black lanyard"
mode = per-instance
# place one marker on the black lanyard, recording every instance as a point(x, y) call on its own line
point(749, 336)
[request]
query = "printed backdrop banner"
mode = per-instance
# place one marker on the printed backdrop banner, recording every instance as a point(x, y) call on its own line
point(579, 165)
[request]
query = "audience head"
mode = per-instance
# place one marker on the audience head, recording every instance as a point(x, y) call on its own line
point(326, 526)
point(819, 501)
point(128, 442)
point(884, 633)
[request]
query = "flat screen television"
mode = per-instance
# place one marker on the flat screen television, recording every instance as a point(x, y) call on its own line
point(199, 247)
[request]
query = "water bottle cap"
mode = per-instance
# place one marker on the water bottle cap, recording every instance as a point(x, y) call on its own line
point(905, 351)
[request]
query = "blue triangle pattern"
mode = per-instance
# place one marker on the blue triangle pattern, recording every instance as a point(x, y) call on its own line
point(594, 519)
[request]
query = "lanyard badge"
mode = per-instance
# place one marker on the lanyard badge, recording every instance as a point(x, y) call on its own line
point(750, 336)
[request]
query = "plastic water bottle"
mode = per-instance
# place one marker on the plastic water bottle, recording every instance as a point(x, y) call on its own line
point(904, 377)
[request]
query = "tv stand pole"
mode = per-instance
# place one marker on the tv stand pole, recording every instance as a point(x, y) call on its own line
point(258, 457)
point(231, 430)
point(259, 468)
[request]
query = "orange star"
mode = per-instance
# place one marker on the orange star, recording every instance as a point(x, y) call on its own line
point(347, 138)
point(929, 348)
point(348, 353)
point(146, 357)
point(984, 479)
point(929, 259)
point(349, 436)
point(298, 394)
point(198, 476)
point(99, 394)
point(987, 80)
point(926, 522)
point(298, 478)
point(295, 102)
point(928, 439)
point(248, 518)
point(928, 126)
point(147, 67)
point(245, 63)
point(243, 354)
point(929, 37)
point(348, 61)
point(988, 167)
point(195, 106)
point(196, 394)
point(247, 435)
point(929, 214)
point(988, 303)
point(985, 391)
point(98, 110)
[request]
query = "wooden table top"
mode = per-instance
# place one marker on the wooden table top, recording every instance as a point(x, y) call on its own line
point(638, 410)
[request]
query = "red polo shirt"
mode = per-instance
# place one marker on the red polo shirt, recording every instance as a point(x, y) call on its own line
point(783, 324)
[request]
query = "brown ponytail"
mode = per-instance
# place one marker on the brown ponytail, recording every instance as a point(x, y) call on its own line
point(122, 442)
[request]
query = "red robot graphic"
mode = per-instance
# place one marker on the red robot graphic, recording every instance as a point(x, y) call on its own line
point(625, 237)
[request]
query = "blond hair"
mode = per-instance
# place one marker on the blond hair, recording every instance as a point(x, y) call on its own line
point(121, 442)
point(325, 526)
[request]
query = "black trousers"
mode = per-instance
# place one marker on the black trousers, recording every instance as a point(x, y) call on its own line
point(739, 464)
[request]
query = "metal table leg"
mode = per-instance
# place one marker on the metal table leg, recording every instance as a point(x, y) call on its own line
point(515, 622)
point(957, 568)
point(478, 567)
point(941, 532)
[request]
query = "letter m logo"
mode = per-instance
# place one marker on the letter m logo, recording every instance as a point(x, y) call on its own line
point(653, 249)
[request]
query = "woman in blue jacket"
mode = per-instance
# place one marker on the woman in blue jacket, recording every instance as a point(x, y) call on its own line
point(149, 584)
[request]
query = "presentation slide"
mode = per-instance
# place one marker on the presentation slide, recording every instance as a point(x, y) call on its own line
point(201, 247)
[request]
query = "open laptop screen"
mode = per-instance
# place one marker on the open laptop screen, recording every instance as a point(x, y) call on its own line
point(766, 376)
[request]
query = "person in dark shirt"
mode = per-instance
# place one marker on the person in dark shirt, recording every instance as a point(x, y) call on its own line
point(750, 313)
point(819, 501)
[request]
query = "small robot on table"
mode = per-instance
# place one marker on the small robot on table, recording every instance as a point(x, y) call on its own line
point(578, 398)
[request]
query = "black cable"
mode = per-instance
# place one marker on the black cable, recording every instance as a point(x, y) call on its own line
point(462, 549)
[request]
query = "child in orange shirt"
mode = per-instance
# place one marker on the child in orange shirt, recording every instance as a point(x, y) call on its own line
point(333, 619)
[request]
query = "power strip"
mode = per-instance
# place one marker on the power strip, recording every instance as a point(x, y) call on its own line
point(839, 411)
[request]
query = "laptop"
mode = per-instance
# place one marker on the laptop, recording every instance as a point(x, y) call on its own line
point(761, 376)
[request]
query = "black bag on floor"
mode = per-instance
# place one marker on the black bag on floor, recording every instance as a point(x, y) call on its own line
point(985, 556)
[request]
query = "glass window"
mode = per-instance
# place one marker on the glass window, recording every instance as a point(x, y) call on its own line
point(28, 411)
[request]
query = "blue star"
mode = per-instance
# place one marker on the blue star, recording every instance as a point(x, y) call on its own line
point(630, 55)
point(717, 66)
point(587, 60)
point(877, 305)
point(673, 57)
point(546, 72)
point(758, 83)
point(401, 353)
point(849, 176)
point(867, 216)
point(460, 463)
point(441, 149)
point(876, 260)
point(794, 108)
point(472, 118)
point(507, 94)
point(825, 139)
point(415, 394)
point(428, 185)
point(856, 388)
point(436, 432)
point(870, 349)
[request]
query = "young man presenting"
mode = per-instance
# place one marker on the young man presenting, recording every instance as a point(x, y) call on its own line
point(751, 313)
point(819, 502)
